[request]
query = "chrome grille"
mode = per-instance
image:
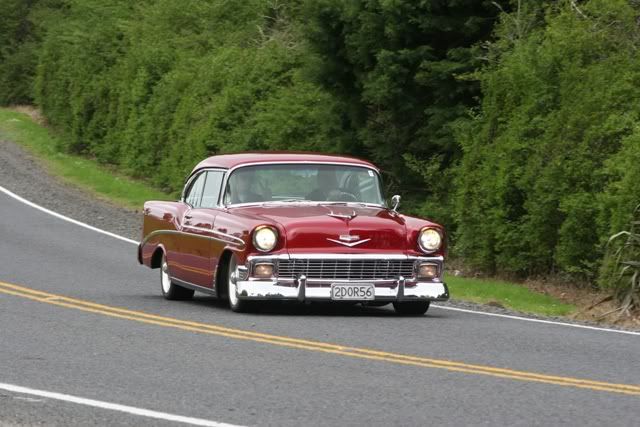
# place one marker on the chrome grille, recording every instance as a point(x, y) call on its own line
point(346, 269)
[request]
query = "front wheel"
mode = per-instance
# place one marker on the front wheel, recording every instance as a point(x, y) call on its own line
point(235, 303)
point(411, 308)
point(170, 290)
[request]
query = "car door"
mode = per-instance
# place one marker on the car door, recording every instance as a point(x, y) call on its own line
point(196, 245)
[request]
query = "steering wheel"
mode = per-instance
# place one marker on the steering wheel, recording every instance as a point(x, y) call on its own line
point(341, 196)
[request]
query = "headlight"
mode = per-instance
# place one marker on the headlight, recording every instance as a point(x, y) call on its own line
point(429, 240)
point(265, 238)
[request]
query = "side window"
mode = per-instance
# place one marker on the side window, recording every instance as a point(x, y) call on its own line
point(194, 196)
point(212, 189)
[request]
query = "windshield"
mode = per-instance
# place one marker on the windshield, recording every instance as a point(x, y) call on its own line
point(288, 183)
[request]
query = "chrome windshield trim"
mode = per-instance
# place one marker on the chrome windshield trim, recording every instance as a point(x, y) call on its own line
point(290, 162)
point(306, 203)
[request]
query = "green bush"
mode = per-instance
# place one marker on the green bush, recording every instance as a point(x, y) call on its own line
point(540, 158)
point(155, 87)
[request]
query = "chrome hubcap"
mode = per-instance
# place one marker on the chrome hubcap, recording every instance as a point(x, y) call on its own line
point(166, 281)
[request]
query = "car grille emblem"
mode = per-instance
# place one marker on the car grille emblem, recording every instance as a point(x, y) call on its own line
point(348, 240)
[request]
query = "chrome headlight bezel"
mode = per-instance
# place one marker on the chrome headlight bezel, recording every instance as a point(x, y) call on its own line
point(265, 238)
point(430, 240)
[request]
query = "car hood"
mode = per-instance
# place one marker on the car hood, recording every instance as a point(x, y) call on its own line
point(349, 229)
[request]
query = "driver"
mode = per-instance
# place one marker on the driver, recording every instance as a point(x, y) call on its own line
point(327, 183)
point(242, 189)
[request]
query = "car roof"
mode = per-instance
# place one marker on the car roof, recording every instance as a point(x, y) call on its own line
point(228, 161)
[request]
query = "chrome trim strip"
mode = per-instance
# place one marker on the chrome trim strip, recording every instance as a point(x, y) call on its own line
point(235, 240)
point(190, 285)
point(302, 162)
point(343, 256)
point(303, 202)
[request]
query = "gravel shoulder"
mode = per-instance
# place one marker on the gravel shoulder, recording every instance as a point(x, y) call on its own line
point(26, 176)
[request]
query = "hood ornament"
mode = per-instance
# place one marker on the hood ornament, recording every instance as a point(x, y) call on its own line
point(348, 217)
point(348, 240)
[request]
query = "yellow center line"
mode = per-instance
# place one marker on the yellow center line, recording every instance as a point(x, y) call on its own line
point(355, 352)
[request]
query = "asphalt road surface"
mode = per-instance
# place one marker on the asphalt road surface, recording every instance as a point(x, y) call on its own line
point(86, 338)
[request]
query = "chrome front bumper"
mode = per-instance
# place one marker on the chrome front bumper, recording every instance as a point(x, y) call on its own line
point(300, 290)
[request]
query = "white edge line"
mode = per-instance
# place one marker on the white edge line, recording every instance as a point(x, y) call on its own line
point(113, 406)
point(66, 218)
point(483, 313)
point(528, 319)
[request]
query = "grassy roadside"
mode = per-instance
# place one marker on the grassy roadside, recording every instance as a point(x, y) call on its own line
point(77, 170)
point(104, 183)
point(505, 294)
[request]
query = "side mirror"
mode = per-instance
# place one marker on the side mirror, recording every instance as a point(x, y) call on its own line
point(395, 201)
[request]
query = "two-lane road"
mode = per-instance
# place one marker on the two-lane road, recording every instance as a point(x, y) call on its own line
point(80, 317)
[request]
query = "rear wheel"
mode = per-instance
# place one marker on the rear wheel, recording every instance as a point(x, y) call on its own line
point(170, 290)
point(235, 303)
point(411, 308)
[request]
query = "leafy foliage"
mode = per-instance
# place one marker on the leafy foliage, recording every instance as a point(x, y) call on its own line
point(541, 157)
point(625, 274)
point(154, 87)
point(398, 68)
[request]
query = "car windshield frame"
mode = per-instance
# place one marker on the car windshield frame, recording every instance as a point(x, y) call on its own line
point(230, 172)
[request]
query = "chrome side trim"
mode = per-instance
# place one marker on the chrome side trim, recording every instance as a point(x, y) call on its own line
point(232, 239)
point(211, 230)
point(190, 285)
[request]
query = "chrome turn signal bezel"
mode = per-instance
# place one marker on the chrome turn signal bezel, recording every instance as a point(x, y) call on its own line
point(264, 274)
point(435, 270)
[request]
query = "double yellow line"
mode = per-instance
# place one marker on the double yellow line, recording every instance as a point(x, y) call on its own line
point(360, 353)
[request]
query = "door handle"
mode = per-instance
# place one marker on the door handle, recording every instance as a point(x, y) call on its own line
point(188, 217)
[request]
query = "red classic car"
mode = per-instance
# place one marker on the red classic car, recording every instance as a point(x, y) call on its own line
point(285, 226)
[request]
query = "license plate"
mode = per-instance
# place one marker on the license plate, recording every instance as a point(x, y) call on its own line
point(359, 292)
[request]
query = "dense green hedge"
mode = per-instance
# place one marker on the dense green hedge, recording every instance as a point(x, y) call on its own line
point(514, 122)
point(154, 87)
point(550, 166)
